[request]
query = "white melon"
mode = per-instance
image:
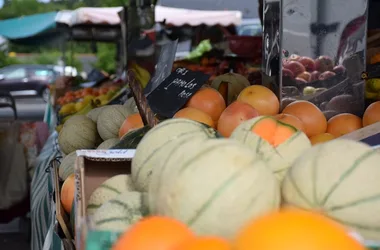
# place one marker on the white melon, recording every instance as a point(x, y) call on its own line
point(121, 212)
point(66, 168)
point(108, 190)
point(279, 158)
point(341, 179)
point(109, 143)
point(216, 187)
point(110, 120)
point(152, 147)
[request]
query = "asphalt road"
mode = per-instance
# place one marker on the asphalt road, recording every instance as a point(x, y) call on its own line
point(28, 109)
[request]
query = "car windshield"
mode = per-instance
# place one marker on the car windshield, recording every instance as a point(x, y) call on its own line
point(13, 73)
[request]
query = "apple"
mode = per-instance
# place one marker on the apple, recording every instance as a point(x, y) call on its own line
point(287, 72)
point(339, 69)
point(308, 63)
point(324, 63)
point(305, 75)
point(326, 75)
point(314, 76)
point(296, 67)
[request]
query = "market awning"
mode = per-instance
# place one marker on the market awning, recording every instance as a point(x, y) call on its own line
point(21, 28)
point(173, 16)
point(180, 17)
point(249, 8)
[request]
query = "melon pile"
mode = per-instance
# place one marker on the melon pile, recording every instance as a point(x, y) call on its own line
point(101, 128)
point(185, 171)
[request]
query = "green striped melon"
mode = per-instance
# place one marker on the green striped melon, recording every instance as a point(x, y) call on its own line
point(121, 212)
point(341, 179)
point(109, 190)
point(152, 147)
point(279, 158)
point(216, 187)
point(109, 143)
point(94, 114)
point(66, 168)
point(110, 120)
point(79, 132)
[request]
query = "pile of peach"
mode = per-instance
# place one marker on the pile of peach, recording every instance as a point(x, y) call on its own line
point(306, 69)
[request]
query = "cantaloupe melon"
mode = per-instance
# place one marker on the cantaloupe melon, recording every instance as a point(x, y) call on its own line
point(109, 143)
point(217, 186)
point(79, 133)
point(278, 143)
point(131, 105)
point(121, 212)
point(66, 168)
point(152, 147)
point(165, 168)
point(94, 114)
point(108, 190)
point(110, 120)
point(339, 178)
point(230, 85)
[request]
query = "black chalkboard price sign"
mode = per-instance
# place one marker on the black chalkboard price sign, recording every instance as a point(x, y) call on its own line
point(163, 67)
point(173, 93)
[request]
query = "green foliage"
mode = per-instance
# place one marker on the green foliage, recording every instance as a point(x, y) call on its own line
point(106, 57)
point(5, 60)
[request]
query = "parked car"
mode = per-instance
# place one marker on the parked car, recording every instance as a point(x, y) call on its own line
point(26, 80)
point(250, 27)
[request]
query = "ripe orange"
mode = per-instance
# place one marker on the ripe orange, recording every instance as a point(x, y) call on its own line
point(291, 229)
point(154, 233)
point(209, 101)
point(343, 124)
point(321, 138)
point(372, 114)
point(132, 122)
point(313, 119)
point(195, 115)
point(261, 98)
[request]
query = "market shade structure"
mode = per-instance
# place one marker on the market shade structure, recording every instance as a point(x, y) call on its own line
point(29, 30)
point(249, 8)
point(172, 16)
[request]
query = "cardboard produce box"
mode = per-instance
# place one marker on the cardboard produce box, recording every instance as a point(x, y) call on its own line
point(92, 168)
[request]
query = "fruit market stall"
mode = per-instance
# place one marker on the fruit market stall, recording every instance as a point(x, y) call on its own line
point(141, 170)
point(147, 166)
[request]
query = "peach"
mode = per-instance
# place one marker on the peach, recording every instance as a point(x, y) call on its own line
point(339, 69)
point(305, 75)
point(324, 63)
point(296, 67)
point(294, 57)
point(308, 63)
point(315, 75)
point(236, 113)
point(326, 75)
point(286, 72)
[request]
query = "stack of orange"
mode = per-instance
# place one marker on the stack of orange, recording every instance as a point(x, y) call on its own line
point(287, 229)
